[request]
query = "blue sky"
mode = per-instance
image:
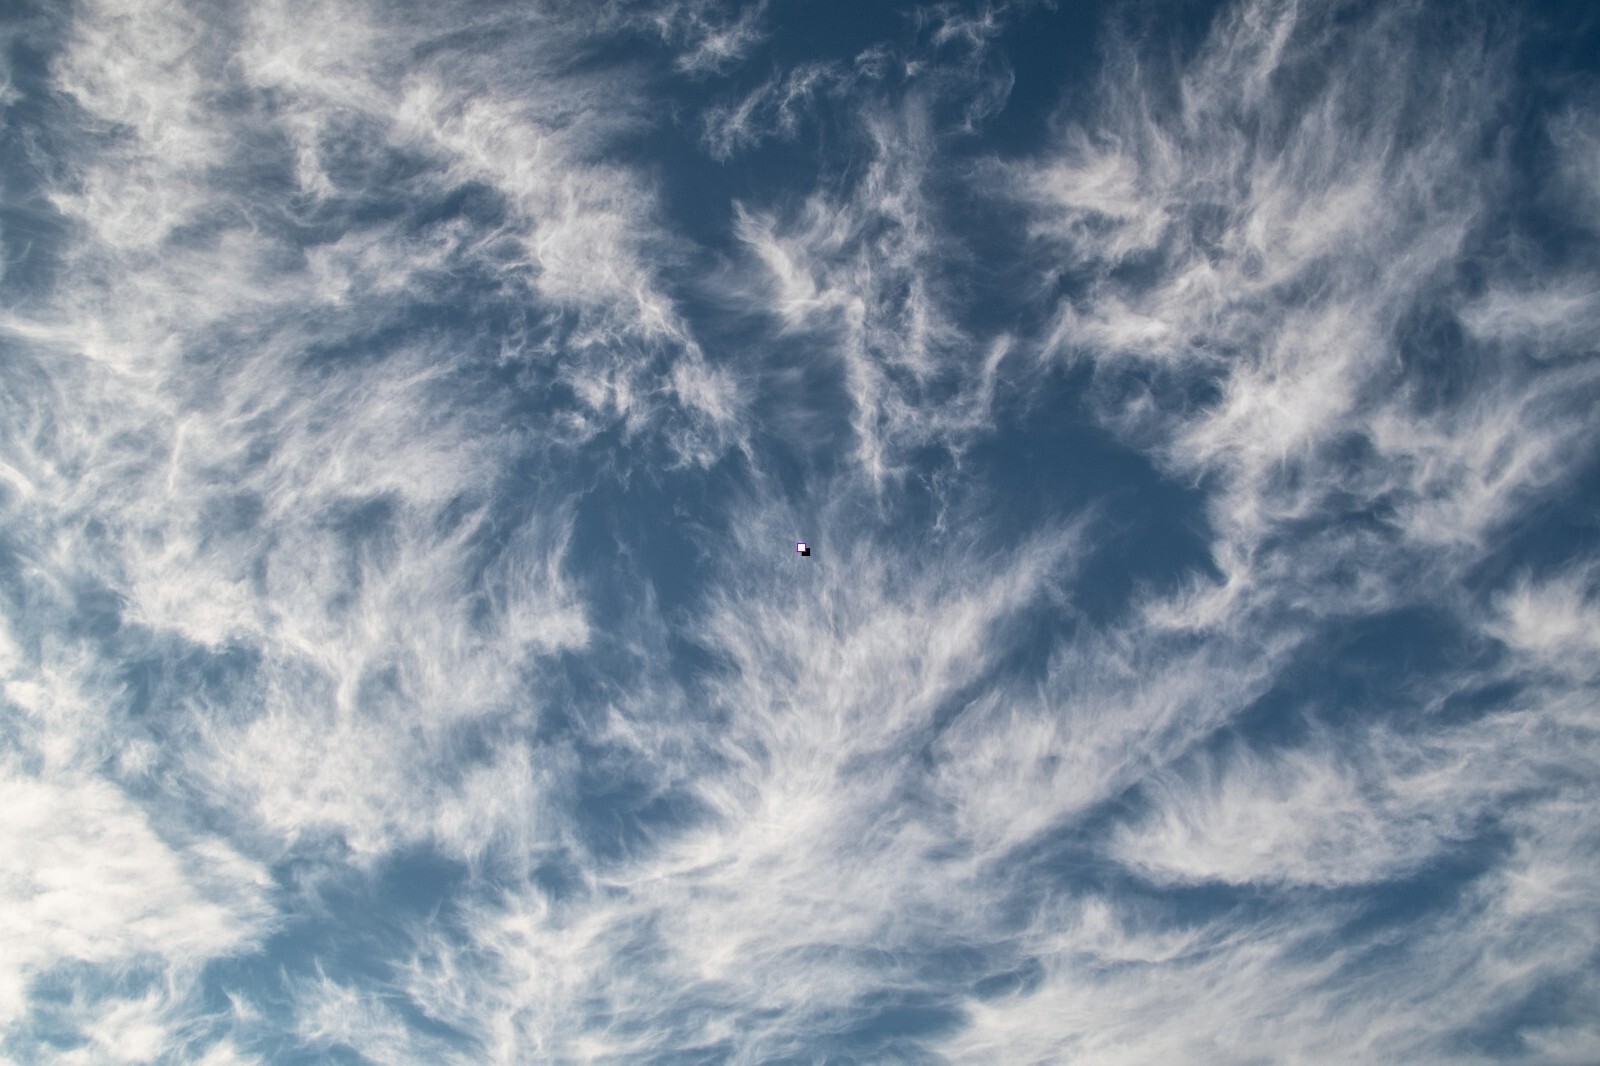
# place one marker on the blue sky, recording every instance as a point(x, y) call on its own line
point(408, 412)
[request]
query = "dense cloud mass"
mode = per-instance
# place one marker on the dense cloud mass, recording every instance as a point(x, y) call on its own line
point(409, 412)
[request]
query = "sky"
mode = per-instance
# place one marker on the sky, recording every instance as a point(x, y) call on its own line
point(409, 411)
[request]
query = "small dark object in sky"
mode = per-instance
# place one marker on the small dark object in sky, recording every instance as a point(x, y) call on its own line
point(802, 548)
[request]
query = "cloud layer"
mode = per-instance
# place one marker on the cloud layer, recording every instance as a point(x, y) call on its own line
point(409, 412)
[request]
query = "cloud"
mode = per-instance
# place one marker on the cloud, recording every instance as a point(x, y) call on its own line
point(710, 38)
point(1555, 319)
point(272, 569)
point(404, 439)
point(863, 274)
point(776, 107)
point(1306, 976)
point(1552, 623)
point(1253, 229)
point(800, 763)
point(1372, 809)
point(332, 1015)
point(88, 880)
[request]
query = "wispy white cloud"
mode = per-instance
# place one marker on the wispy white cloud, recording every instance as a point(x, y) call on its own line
point(1556, 319)
point(1268, 243)
point(777, 106)
point(1127, 983)
point(1243, 242)
point(948, 53)
point(235, 440)
point(87, 879)
point(1553, 623)
point(711, 37)
point(863, 273)
point(358, 313)
point(331, 1016)
point(800, 763)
